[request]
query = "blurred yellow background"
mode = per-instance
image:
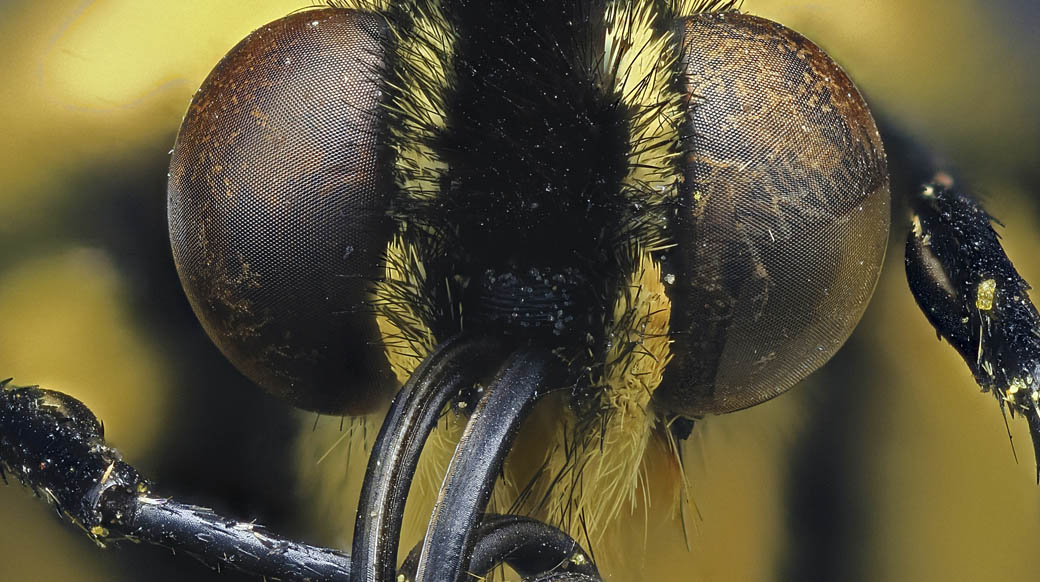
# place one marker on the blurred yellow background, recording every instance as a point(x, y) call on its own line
point(888, 465)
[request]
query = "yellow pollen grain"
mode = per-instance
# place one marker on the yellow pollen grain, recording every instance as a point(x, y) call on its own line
point(1017, 384)
point(985, 294)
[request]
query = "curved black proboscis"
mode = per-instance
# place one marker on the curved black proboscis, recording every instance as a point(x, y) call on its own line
point(563, 577)
point(530, 547)
point(395, 454)
point(476, 464)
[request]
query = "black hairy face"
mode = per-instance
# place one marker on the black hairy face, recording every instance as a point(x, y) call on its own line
point(535, 153)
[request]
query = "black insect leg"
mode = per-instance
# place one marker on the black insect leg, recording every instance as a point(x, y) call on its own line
point(968, 289)
point(54, 444)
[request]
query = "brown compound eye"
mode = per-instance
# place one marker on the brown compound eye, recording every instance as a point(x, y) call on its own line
point(277, 207)
point(785, 214)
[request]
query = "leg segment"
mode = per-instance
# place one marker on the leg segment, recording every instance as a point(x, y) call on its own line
point(968, 289)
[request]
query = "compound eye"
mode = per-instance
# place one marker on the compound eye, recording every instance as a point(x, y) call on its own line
point(785, 218)
point(277, 207)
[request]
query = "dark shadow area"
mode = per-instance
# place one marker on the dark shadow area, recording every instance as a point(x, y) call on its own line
point(824, 502)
